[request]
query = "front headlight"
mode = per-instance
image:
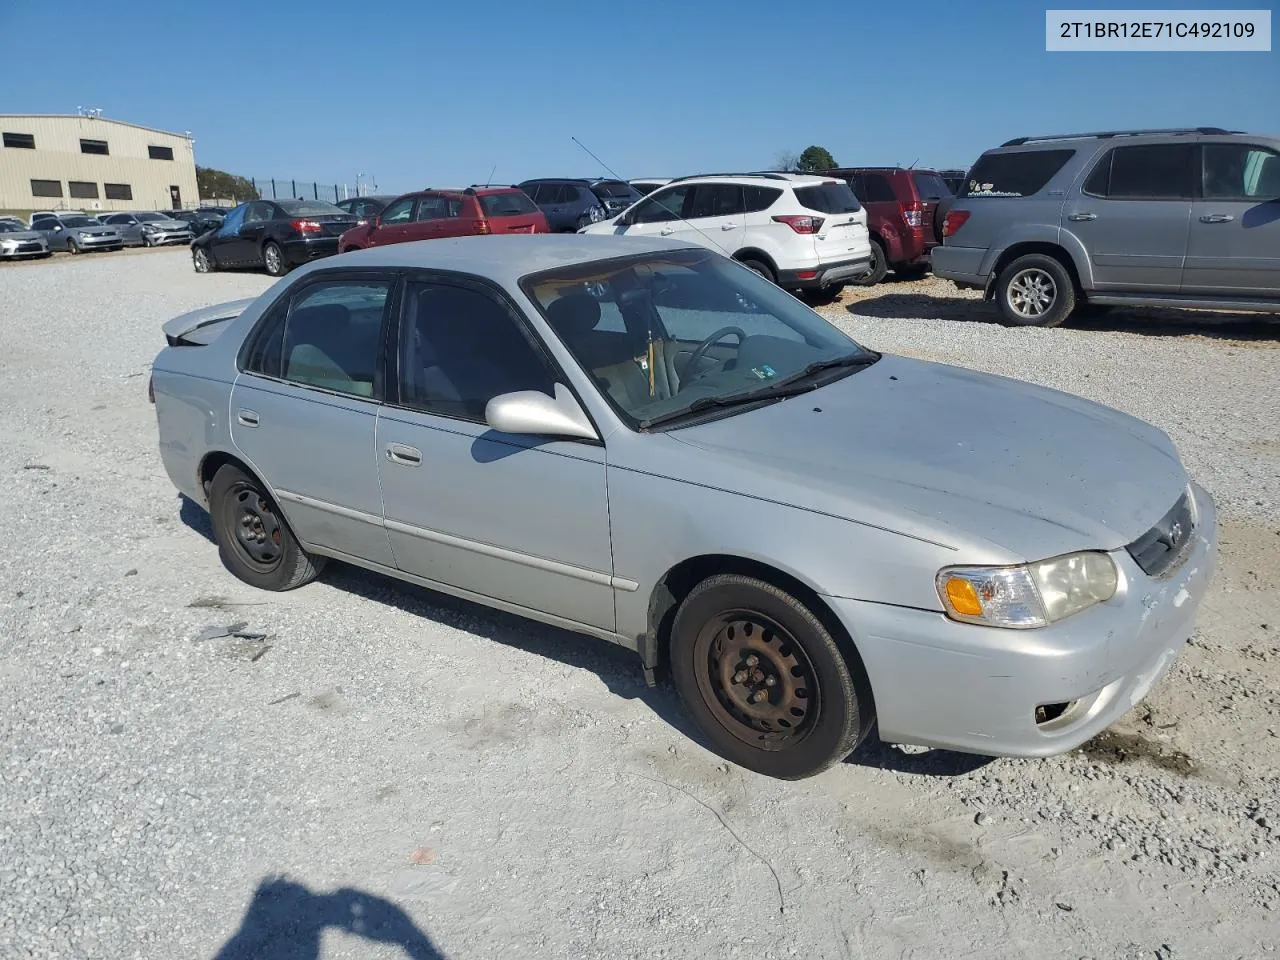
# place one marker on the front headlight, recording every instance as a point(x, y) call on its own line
point(1030, 595)
point(82, 235)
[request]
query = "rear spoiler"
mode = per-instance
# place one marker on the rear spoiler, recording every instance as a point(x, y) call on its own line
point(183, 329)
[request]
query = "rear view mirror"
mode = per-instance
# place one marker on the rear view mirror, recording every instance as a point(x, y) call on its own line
point(534, 413)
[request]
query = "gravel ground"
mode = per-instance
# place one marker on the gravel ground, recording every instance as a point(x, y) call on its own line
point(391, 773)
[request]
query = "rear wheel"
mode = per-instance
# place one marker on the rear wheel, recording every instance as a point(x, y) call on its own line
point(273, 259)
point(760, 267)
point(764, 678)
point(254, 541)
point(1035, 291)
point(879, 266)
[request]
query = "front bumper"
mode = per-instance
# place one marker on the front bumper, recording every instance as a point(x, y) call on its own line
point(99, 243)
point(28, 248)
point(958, 686)
point(169, 236)
point(300, 251)
point(825, 274)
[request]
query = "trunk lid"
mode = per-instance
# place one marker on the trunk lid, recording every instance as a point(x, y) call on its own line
point(198, 328)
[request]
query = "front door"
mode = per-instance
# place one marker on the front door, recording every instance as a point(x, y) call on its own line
point(305, 409)
point(716, 217)
point(518, 519)
point(1234, 249)
point(226, 239)
point(393, 226)
point(175, 198)
point(658, 215)
point(1133, 214)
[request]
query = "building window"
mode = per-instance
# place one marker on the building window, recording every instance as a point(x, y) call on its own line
point(160, 153)
point(46, 188)
point(25, 141)
point(94, 146)
point(117, 191)
point(82, 190)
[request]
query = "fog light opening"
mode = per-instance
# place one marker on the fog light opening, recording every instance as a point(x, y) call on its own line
point(1049, 712)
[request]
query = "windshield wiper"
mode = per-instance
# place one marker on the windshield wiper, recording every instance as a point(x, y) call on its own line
point(849, 361)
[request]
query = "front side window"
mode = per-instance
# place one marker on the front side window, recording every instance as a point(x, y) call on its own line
point(1023, 173)
point(689, 333)
point(1147, 172)
point(329, 338)
point(231, 225)
point(258, 211)
point(662, 206)
point(1238, 171)
point(716, 200)
point(399, 212)
point(460, 348)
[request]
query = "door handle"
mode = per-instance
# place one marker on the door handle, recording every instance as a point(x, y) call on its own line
point(248, 417)
point(400, 453)
point(728, 226)
point(665, 231)
point(1217, 218)
point(1081, 217)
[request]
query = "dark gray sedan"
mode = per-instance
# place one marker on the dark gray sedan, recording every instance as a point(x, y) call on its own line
point(75, 232)
point(148, 228)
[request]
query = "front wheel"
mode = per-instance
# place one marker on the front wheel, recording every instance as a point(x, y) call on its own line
point(201, 260)
point(765, 680)
point(253, 539)
point(273, 259)
point(73, 248)
point(1035, 291)
point(879, 266)
point(146, 241)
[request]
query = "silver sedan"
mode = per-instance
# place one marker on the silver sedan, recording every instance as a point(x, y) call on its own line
point(148, 229)
point(645, 442)
point(17, 242)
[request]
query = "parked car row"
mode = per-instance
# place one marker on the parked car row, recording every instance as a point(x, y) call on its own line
point(77, 231)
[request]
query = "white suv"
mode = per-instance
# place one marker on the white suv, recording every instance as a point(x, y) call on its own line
point(802, 232)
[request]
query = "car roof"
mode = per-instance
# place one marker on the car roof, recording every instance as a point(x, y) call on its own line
point(764, 178)
point(505, 259)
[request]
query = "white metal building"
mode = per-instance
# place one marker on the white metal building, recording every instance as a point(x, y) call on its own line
point(92, 163)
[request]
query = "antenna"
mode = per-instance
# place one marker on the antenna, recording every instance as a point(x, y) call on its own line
point(594, 157)
point(492, 171)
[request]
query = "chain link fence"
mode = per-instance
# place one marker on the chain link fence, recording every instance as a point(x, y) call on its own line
point(286, 188)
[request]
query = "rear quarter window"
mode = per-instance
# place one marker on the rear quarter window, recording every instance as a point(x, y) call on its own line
point(1019, 174)
point(828, 198)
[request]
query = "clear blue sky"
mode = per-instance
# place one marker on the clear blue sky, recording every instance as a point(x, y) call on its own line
point(431, 92)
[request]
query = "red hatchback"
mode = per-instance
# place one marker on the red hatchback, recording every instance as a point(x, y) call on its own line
point(430, 214)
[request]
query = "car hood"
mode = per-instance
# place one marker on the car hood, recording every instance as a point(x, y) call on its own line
point(952, 456)
point(170, 224)
point(22, 235)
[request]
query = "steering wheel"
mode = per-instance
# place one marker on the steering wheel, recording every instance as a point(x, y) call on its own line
point(701, 350)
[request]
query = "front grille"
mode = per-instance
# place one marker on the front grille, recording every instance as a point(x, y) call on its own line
point(1160, 548)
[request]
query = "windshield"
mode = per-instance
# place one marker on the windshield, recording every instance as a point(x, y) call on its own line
point(9, 227)
point(296, 208)
point(667, 335)
point(80, 222)
point(148, 217)
point(615, 189)
point(513, 204)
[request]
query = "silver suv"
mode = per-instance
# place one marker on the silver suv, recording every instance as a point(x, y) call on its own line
point(1048, 226)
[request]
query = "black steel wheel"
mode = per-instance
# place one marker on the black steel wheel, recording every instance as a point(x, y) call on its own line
point(766, 680)
point(254, 541)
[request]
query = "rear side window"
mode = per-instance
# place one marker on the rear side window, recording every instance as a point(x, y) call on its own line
point(507, 204)
point(930, 186)
point(1021, 174)
point(716, 200)
point(333, 335)
point(1161, 171)
point(760, 198)
point(828, 198)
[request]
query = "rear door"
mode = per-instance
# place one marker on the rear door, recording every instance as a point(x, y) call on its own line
point(396, 221)
point(715, 216)
point(436, 216)
point(1233, 247)
point(1133, 214)
point(305, 408)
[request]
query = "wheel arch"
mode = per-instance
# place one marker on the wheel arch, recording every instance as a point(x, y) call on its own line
point(755, 253)
point(674, 585)
point(1022, 249)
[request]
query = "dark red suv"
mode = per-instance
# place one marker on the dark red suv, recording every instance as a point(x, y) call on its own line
point(430, 214)
point(902, 216)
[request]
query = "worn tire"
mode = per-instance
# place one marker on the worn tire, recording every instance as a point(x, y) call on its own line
point(760, 267)
point(1032, 269)
point(234, 494)
point(835, 717)
point(276, 266)
point(879, 266)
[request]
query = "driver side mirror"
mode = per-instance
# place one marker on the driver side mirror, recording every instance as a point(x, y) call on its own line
point(534, 413)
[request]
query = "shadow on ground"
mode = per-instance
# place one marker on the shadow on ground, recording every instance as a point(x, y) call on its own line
point(285, 921)
point(928, 763)
point(1154, 322)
